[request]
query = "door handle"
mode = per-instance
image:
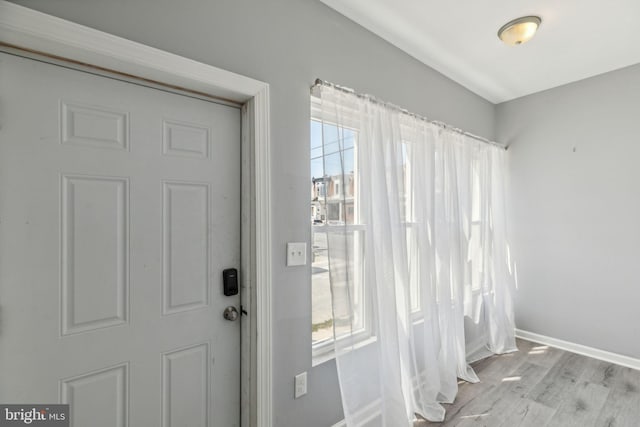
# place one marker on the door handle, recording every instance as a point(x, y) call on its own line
point(231, 313)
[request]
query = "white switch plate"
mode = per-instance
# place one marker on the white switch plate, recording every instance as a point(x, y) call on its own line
point(301, 385)
point(296, 254)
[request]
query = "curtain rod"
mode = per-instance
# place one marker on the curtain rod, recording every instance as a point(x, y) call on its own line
point(320, 82)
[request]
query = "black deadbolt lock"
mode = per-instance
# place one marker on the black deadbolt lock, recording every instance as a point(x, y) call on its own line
point(230, 281)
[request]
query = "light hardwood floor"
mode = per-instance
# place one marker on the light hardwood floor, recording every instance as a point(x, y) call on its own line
point(541, 386)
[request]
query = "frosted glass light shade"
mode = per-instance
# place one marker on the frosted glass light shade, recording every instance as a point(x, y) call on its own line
point(519, 30)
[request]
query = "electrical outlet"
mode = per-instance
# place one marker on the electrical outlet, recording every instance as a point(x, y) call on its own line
point(296, 254)
point(300, 385)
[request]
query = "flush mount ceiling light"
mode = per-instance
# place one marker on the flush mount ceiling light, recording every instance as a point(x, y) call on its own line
point(519, 30)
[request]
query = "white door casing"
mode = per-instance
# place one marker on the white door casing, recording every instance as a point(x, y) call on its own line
point(37, 32)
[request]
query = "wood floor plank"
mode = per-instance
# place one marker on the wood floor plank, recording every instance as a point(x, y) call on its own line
point(467, 393)
point(582, 408)
point(542, 386)
point(604, 373)
point(499, 366)
point(528, 413)
point(628, 381)
point(525, 378)
point(560, 381)
point(544, 355)
point(497, 405)
point(493, 369)
point(622, 409)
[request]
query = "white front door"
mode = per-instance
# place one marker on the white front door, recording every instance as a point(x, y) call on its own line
point(119, 209)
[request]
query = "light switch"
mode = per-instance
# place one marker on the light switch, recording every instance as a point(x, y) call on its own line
point(296, 254)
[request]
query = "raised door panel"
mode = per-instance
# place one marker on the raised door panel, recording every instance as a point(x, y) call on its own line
point(93, 126)
point(98, 398)
point(94, 246)
point(185, 235)
point(185, 373)
point(185, 139)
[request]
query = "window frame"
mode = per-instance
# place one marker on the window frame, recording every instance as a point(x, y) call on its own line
point(324, 350)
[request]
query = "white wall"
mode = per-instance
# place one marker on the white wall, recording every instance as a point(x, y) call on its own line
point(574, 159)
point(288, 44)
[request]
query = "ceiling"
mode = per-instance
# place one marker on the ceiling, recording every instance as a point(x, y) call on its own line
point(577, 39)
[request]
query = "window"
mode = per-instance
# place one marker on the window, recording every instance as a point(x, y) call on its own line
point(337, 236)
point(340, 236)
point(418, 233)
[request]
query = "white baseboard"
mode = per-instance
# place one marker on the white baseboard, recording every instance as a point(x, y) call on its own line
point(342, 423)
point(595, 353)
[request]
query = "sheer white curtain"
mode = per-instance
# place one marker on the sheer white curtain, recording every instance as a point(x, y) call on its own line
point(420, 274)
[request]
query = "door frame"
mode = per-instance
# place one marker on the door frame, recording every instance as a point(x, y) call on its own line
point(47, 36)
